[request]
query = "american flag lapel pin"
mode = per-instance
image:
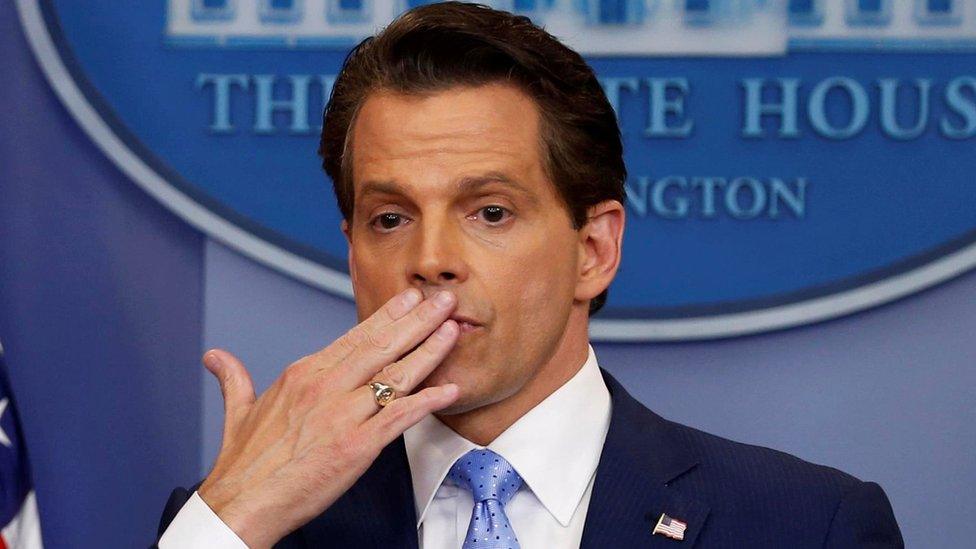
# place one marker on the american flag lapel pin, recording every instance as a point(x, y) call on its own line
point(670, 527)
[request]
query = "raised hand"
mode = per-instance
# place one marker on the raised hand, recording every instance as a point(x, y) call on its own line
point(288, 455)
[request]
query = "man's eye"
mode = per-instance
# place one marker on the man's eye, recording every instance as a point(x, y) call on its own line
point(387, 221)
point(494, 214)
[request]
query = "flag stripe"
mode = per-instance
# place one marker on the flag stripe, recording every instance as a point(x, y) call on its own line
point(20, 527)
point(670, 527)
point(24, 531)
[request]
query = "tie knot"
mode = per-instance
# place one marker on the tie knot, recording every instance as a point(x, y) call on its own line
point(487, 475)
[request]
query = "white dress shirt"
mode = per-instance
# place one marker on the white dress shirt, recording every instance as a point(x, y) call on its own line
point(555, 447)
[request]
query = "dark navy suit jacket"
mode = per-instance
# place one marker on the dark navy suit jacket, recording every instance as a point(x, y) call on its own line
point(729, 494)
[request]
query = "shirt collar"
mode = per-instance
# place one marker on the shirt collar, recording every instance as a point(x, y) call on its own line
point(567, 428)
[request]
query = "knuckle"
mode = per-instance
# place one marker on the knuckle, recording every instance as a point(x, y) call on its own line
point(286, 379)
point(376, 340)
point(380, 340)
point(352, 339)
point(388, 313)
point(289, 378)
point(317, 390)
point(304, 361)
point(394, 375)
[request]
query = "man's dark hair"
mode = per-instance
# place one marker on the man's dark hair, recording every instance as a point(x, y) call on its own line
point(435, 47)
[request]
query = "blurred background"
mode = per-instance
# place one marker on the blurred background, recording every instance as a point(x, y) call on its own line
point(797, 265)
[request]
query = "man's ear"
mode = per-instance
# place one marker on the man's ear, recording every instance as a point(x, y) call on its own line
point(600, 244)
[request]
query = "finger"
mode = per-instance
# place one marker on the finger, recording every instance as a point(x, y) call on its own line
point(405, 412)
point(236, 386)
point(394, 309)
point(337, 351)
point(378, 348)
point(405, 374)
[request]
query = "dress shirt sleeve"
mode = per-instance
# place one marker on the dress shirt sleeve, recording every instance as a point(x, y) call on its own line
point(196, 526)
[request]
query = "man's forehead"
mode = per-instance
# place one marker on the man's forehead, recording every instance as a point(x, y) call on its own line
point(463, 119)
point(472, 134)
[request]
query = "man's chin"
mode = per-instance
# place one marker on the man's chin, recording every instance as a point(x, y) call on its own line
point(471, 398)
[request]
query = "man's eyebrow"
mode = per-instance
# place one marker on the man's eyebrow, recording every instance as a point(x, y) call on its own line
point(470, 184)
point(466, 185)
point(473, 183)
point(382, 187)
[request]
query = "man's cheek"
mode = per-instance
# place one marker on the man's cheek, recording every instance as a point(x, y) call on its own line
point(375, 286)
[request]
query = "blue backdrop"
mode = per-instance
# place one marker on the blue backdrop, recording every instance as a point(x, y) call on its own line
point(107, 301)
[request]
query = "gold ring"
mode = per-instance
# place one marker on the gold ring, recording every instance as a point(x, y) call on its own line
point(383, 393)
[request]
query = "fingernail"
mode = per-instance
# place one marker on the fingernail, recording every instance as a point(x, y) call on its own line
point(446, 330)
point(211, 361)
point(443, 299)
point(451, 389)
point(411, 298)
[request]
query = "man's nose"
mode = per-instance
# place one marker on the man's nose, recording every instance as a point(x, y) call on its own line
point(438, 253)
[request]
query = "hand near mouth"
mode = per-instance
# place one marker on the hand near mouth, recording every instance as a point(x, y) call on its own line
point(288, 455)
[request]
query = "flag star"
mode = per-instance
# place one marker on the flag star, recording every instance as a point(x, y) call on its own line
point(4, 439)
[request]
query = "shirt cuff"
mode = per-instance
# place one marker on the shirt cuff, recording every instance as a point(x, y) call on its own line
point(196, 526)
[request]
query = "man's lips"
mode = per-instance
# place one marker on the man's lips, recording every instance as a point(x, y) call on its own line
point(467, 324)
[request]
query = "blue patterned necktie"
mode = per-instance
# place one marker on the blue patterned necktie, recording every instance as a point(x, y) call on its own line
point(492, 482)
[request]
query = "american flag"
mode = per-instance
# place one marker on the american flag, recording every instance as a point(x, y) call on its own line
point(20, 527)
point(670, 527)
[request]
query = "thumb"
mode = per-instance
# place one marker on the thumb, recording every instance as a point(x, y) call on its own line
point(236, 385)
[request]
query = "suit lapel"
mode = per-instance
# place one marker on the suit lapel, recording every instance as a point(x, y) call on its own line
point(640, 457)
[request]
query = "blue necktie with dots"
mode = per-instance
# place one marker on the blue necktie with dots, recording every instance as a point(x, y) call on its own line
point(492, 482)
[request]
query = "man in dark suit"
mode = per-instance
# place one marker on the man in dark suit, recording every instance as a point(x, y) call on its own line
point(729, 494)
point(479, 170)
